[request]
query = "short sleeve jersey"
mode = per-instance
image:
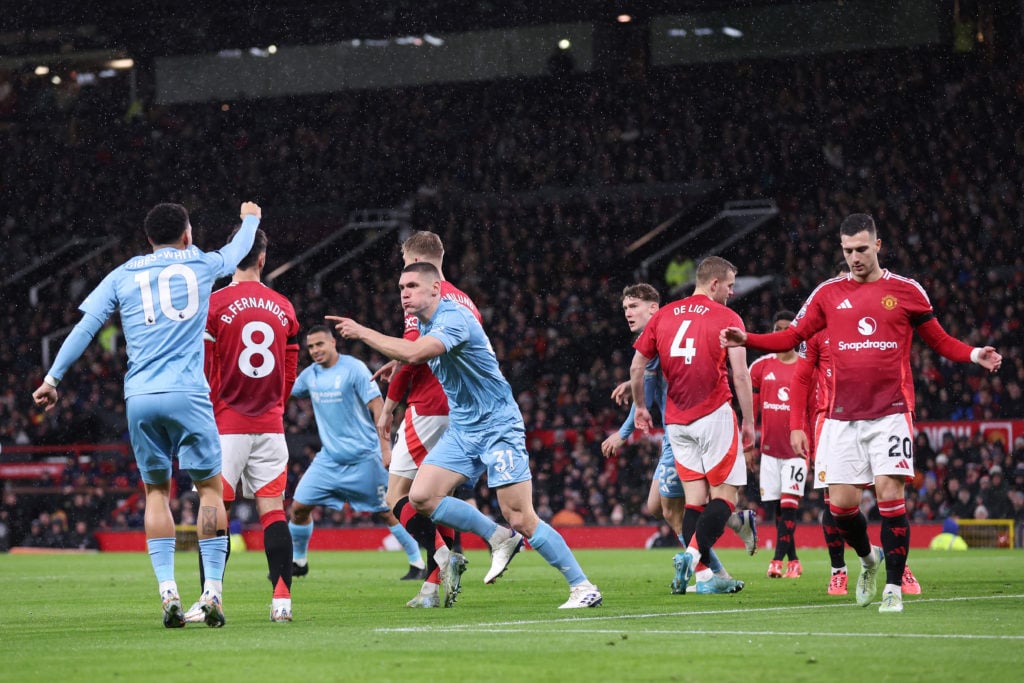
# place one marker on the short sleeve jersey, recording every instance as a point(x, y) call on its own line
point(770, 379)
point(684, 335)
point(340, 395)
point(870, 328)
point(250, 326)
point(424, 391)
point(478, 394)
point(164, 298)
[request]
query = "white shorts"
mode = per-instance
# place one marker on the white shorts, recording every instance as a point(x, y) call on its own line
point(259, 461)
point(417, 435)
point(709, 448)
point(782, 476)
point(860, 450)
point(820, 455)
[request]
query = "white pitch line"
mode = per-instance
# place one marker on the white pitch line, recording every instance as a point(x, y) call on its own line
point(781, 634)
point(512, 626)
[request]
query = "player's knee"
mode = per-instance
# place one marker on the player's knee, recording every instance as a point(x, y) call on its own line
point(423, 503)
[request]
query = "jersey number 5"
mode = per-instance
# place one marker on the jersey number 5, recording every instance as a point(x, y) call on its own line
point(682, 346)
point(163, 288)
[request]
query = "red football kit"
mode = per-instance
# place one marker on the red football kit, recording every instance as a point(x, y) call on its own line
point(812, 380)
point(870, 328)
point(252, 357)
point(770, 379)
point(684, 335)
point(424, 391)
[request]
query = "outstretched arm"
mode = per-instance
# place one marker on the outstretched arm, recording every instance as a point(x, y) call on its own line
point(419, 351)
point(954, 349)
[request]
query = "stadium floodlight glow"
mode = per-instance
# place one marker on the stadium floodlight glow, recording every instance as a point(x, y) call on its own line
point(258, 52)
point(732, 32)
point(677, 33)
point(55, 80)
point(125, 63)
point(42, 70)
point(272, 49)
point(624, 18)
point(433, 40)
point(85, 78)
point(108, 73)
point(564, 44)
point(703, 31)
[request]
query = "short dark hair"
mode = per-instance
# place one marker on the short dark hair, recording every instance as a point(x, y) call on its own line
point(642, 291)
point(320, 328)
point(165, 223)
point(423, 267)
point(259, 246)
point(783, 315)
point(858, 222)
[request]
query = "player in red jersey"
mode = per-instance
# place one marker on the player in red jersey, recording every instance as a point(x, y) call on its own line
point(426, 419)
point(783, 471)
point(701, 424)
point(251, 361)
point(813, 379)
point(871, 315)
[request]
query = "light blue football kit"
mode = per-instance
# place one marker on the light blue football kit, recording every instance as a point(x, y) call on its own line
point(485, 431)
point(163, 299)
point(348, 467)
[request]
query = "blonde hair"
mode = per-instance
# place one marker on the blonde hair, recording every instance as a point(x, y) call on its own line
point(423, 244)
point(714, 268)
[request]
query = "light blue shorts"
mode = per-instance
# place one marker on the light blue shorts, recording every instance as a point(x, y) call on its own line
point(499, 451)
point(162, 426)
point(361, 484)
point(665, 474)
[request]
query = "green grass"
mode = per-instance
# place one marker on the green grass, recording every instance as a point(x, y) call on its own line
point(97, 617)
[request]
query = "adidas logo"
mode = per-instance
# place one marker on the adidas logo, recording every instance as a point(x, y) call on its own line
point(770, 375)
point(903, 465)
point(844, 304)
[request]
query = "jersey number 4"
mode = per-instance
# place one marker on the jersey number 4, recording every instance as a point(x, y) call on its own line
point(682, 346)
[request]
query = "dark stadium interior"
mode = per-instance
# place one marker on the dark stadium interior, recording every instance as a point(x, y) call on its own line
point(540, 187)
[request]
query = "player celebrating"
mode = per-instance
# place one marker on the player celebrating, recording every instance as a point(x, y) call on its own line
point(426, 419)
point(700, 420)
point(783, 472)
point(871, 315)
point(252, 357)
point(163, 298)
point(485, 432)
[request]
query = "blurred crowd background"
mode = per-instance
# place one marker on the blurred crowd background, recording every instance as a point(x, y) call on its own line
point(539, 188)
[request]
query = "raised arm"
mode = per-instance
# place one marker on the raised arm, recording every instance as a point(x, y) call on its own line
point(419, 351)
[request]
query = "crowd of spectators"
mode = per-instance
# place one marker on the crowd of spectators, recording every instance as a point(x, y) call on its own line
point(932, 149)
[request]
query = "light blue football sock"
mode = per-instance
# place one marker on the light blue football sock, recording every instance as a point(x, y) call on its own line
point(714, 564)
point(161, 554)
point(214, 552)
point(409, 544)
point(553, 548)
point(301, 533)
point(458, 514)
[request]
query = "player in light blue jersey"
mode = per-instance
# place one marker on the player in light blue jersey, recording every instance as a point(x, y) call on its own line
point(485, 434)
point(349, 468)
point(665, 499)
point(163, 298)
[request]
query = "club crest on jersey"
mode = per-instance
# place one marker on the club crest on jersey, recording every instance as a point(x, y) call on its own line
point(821, 476)
point(889, 302)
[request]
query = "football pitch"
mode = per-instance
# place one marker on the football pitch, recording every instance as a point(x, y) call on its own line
point(96, 617)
